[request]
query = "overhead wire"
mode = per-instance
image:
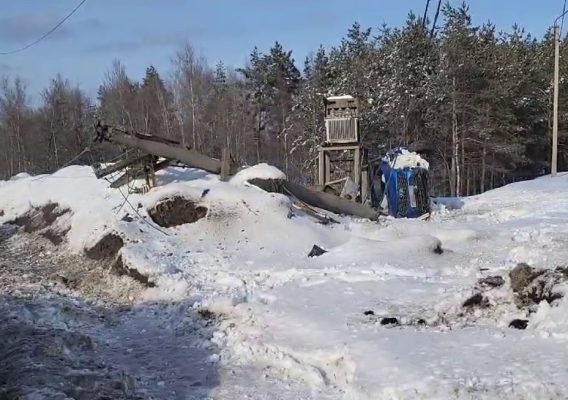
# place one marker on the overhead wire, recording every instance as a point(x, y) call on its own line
point(140, 216)
point(435, 19)
point(562, 22)
point(68, 163)
point(27, 46)
point(425, 14)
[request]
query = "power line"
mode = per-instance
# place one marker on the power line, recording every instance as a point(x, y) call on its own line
point(425, 14)
point(435, 19)
point(46, 34)
point(140, 216)
point(68, 163)
point(562, 23)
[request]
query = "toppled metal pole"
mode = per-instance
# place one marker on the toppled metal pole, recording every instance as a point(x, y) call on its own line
point(330, 202)
point(158, 147)
point(326, 201)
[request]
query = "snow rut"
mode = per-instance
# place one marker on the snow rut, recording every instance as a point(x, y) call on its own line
point(241, 337)
point(54, 344)
point(320, 369)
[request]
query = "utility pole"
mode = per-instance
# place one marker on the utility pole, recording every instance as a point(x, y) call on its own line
point(554, 159)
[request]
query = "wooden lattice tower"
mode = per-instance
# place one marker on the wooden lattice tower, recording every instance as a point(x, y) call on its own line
point(342, 136)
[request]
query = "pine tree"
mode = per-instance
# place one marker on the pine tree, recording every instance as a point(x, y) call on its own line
point(157, 104)
point(310, 113)
point(220, 75)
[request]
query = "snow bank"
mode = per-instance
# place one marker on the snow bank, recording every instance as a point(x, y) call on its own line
point(522, 202)
point(259, 171)
point(243, 222)
point(311, 327)
point(251, 224)
point(73, 187)
point(21, 175)
point(446, 203)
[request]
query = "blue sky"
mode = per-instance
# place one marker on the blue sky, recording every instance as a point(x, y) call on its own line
point(144, 32)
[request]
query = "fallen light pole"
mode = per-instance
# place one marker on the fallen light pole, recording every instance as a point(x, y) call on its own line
point(157, 146)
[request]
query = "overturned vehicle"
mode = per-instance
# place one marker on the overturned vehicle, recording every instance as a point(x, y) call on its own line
point(400, 184)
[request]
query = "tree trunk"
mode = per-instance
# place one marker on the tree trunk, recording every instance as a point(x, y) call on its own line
point(462, 169)
point(257, 139)
point(454, 174)
point(165, 114)
point(53, 142)
point(181, 126)
point(483, 168)
point(314, 129)
point(11, 152)
point(193, 130)
point(7, 156)
point(286, 155)
point(492, 173)
point(20, 142)
point(467, 186)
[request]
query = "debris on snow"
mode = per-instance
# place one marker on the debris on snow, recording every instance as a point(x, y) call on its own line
point(316, 251)
point(477, 300)
point(206, 314)
point(491, 281)
point(519, 323)
point(389, 321)
point(438, 249)
point(521, 276)
point(532, 286)
point(127, 218)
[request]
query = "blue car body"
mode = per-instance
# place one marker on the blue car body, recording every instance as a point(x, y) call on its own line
point(405, 189)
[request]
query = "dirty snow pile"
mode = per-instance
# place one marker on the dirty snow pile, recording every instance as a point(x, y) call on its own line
point(394, 309)
point(259, 171)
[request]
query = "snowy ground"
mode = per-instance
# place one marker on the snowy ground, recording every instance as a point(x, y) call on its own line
point(239, 311)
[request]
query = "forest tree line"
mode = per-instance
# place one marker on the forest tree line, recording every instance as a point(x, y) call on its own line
point(481, 98)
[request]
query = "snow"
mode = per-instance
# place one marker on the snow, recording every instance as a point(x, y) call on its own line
point(343, 97)
point(21, 175)
point(75, 188)
point(407, 159)
point(259, 171)
point(293, 327)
